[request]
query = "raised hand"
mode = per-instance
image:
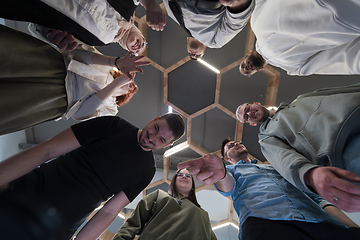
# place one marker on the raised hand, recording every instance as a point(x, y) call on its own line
point(331, 184)
point(127, 65)
point(62, 40)
point(209, 168)
point(155, 16)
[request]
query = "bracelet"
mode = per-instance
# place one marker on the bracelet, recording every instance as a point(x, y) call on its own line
point(116, 63)
point(225, 171)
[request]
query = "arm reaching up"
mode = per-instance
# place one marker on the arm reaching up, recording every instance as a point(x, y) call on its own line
point(27, 160)
point(209, 168)
point(155, 16)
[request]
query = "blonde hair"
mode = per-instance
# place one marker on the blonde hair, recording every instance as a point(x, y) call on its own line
point(127, 28)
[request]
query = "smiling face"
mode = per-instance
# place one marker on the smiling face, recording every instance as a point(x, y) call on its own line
point(235, 151)
point(252, 113)
point(136, 43)
point(251, 64)
point(183, 182)
point(157, 134)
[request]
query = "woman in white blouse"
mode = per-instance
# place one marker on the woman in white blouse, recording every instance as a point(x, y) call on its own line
point(38, 84)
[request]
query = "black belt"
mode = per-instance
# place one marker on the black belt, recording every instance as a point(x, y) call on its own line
point(205, 4)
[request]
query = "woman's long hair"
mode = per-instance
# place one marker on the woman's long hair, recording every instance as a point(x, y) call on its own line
point(123, 99)
point(174, 193)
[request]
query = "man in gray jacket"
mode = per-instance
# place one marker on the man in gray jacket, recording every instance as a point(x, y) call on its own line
point(311, 140)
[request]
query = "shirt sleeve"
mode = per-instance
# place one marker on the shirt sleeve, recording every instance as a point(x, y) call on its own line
point(136, 222)
point(343, 60)
point(286, 160)
point(95, 129)
point(134, 190)
point(40, 32)
point(227, 194)
point(94, 107)
point(318, 199)
point(83, 56)
point(88, 108)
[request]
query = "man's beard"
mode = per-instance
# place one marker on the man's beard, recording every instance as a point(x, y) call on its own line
point(265, 115)
point(243, 154)
point(256, 62)
point(194, 45)
point(141, 137)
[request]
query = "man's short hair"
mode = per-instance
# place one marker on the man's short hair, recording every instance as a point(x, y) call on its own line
point(224, 142)
point(195, 59)
point(176, 124)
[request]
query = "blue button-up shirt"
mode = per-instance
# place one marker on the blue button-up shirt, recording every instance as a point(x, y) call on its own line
point(260, 191)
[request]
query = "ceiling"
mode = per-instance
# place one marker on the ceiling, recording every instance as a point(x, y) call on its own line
point(206, 100)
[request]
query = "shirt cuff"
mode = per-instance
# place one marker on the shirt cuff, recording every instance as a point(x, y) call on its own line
point(226, 194)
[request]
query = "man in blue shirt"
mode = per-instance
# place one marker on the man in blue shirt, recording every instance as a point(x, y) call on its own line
point(268, 206)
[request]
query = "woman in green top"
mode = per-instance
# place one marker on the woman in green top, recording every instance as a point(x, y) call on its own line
point(175, 215)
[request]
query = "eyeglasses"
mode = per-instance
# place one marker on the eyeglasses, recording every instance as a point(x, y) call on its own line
point(188, 175)
point(231, 145)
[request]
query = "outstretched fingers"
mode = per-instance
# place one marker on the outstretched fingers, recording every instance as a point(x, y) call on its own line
point(193, 165)
point(208, 168)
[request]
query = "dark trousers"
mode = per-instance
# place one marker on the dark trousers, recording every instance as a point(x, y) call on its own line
point(32, 81)
point(38, 12)
point(258, 229)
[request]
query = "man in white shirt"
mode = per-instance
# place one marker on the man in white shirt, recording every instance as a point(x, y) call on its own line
point(305, 37)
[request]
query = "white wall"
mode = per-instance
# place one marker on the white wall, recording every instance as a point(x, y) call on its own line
point(9, 144)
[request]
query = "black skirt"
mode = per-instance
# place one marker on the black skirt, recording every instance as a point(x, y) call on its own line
point(32, 81)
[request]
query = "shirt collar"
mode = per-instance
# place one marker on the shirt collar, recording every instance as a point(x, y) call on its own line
point(245, 162)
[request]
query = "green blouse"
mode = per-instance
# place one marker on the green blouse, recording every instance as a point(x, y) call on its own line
point(160, 216)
